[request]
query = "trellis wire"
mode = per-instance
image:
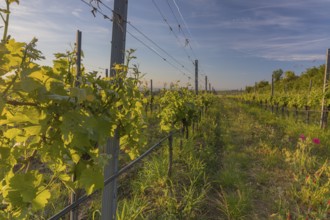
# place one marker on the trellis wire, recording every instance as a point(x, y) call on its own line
point(110, 179)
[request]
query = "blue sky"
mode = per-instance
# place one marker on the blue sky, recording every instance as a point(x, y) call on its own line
point(237, 42)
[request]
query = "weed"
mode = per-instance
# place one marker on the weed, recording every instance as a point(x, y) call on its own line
point(234, 204)
point(132, 209)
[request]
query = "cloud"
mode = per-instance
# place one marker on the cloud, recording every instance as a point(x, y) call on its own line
point(269, 6)
point(286, 31)
point(77, 12)
point(260, 5)
point(283, 48)
point(252, 22)
point(42, 29)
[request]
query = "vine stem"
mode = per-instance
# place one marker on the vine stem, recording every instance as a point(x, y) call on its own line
point(29, 160)
point(6, 21)
point(3, 19)
point(18, 103)
point(10, 84)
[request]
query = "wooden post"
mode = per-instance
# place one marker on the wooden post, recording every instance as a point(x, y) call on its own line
point(170, 156)
point(78, 61)
point(206, 84)
point(181, 137)
point(272, 94)
point(307, 107)
point(74, 214)
point(151, 96)
point(324, 113)
point(196, 77)
point(296, 112)
point(109, 196)
point(106, 72)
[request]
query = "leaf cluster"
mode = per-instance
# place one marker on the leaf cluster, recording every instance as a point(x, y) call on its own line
point(54, 124)
point(180, 107)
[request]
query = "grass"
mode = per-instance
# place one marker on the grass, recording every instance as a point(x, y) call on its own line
point(132, 209)
point(235, 204)
point(241, 162)
point(266, 164)
point(185, 194)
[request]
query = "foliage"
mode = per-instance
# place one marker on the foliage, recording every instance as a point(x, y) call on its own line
point(55, 123)
point(286, 173)
point(179, 107)
point(289, 75)
point(277, 74)
point(311, 185)
point(262, 84)
point(294, 91)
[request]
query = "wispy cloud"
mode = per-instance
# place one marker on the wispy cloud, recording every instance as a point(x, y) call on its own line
point(284, 49)
point(77, 12)
point(269, 6)
point(286, 31)
point(249, 22)
point(294, 31)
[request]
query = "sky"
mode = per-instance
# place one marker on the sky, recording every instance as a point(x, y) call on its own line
point(236, 42)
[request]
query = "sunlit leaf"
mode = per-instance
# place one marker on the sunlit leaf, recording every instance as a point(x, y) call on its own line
point(94, 183)
point(41, 200)
point(12, 133)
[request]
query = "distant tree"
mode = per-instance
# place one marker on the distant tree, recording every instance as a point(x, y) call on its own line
point(262, 84)
point(316, 74)
point(249, 89)
point(310, 72)
point(290, 75)
point(277, 75)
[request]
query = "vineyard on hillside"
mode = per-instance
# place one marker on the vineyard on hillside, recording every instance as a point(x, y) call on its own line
point(294, 92)
point(302, 94)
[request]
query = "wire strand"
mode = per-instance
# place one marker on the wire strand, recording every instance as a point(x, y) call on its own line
point(148, 38)
point(171, 29)
point(185, 24)
point(97, 9)
point(154, 43)
point(187, 41)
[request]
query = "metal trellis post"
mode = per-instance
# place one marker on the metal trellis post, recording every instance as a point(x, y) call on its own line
point(324, 113)
point(109, 196)
point(74, 214)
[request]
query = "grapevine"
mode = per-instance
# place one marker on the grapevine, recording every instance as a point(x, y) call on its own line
point(51, 128)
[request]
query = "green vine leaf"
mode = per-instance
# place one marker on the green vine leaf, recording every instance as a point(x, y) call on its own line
point(41, 200)
point(12, 133)
point(88, 183)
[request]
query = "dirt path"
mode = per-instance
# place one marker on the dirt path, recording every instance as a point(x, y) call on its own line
point(253, 175)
